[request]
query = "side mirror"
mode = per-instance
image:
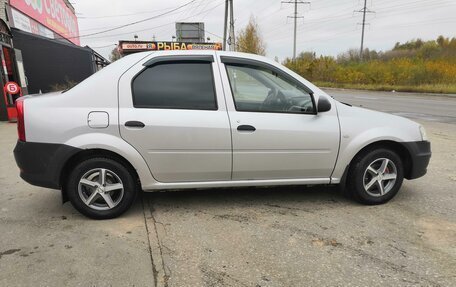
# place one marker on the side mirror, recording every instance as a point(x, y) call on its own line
point(324, 105)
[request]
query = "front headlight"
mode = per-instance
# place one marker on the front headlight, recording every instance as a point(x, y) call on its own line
point(423, 133)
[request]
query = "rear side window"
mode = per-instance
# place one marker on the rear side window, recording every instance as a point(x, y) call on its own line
point(187, 85)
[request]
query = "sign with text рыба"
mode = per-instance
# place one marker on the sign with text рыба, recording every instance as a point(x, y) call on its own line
point(126, 46)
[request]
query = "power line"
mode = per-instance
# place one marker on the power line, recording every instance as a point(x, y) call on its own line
point(105, 46)
point(295, 17)
point(331, 19)
point(122, 15)
point(202, 12)
point(335, 18)
point(320, 24)
point(58, 40)
point(412, 8)
point(364, 11)
point(257, 13)
point(163, 25)
point(109, 27)
point(133, 23)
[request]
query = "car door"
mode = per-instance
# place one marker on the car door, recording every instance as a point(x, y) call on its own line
point(276, 132)
point(173, 112)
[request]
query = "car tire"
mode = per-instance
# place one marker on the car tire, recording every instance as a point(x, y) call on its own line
point(101, 188)
point(375, 176)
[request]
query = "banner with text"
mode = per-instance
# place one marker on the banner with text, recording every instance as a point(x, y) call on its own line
point(127, 47)
point(53, 14)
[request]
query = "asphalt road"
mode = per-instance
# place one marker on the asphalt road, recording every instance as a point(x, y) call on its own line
point(287, 236)
point(411, 105)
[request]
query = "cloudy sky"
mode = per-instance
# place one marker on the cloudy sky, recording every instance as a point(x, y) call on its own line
point(329, 27)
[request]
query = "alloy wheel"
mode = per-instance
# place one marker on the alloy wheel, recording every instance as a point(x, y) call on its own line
point(379, 177)
point(101, 189)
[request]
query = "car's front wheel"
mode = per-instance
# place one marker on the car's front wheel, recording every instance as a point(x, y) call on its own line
point(101, 188)
point(375, 176)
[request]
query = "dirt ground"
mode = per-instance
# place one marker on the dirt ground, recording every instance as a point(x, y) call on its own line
point(287, 236)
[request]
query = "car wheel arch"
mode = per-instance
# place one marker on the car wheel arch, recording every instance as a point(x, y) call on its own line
point(397, 147)
point(94, 153)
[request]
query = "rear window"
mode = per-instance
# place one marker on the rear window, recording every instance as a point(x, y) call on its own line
point(175, 86)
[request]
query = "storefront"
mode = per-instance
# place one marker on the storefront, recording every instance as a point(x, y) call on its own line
point(53, 65)
point(40, 50)
point(12, 74)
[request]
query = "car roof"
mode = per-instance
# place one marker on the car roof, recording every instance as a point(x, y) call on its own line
point(208, 52)
point(201, 52)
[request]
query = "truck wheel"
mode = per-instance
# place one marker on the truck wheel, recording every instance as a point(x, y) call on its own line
point(101, 188)
point(375, 176)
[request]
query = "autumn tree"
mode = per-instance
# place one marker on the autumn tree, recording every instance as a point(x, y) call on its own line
point(115, 55)
point(249, 39)
point(416, 65)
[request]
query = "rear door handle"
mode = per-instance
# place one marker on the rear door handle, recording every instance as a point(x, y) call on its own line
point(246, 128)
point(135, 124)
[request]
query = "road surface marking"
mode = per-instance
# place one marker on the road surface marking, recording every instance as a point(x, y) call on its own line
point(365, 98)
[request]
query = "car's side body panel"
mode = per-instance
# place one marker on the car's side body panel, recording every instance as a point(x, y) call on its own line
point(58, 117)
point(178, 145)
point(361, 127)
point(193, 149)
point(284, 145)
point(62, 118)
point(234, 183)
point(118, 146)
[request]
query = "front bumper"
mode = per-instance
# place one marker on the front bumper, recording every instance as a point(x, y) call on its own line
point(420, 155)
point(41, 164)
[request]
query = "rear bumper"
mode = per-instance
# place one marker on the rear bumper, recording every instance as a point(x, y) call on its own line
point(420, 155)
point(41, 164)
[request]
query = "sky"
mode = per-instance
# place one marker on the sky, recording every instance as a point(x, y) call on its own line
point(328, 27)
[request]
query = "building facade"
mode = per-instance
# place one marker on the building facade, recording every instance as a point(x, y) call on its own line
point(40, 49)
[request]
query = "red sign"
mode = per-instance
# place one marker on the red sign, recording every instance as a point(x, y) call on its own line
point(12, 88)
point(53, 14)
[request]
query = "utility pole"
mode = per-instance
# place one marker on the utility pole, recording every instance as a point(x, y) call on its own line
point(295, 17)
point(231, 37)
point(225, 23)
point(363, 24)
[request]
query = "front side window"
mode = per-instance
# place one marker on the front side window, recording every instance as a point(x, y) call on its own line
point(186, 85)
point(258, 89)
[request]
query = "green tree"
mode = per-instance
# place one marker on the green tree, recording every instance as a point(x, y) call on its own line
point(249, 39)
point(442, 41)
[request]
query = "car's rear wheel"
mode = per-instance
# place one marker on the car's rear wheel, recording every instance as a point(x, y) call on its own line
point(101, 188)
point(375, 176)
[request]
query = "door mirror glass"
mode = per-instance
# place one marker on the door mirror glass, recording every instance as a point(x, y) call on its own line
point(323, 105)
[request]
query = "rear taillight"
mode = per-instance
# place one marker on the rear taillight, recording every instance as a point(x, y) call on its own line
point(20, 120)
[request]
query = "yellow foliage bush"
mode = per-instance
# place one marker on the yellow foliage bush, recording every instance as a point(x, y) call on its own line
point(414, 63)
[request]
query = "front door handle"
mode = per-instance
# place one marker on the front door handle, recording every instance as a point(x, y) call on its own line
point(135, 124)
point(246, 128)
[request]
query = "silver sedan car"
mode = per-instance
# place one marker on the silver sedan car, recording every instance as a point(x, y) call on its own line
point(204, 119)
